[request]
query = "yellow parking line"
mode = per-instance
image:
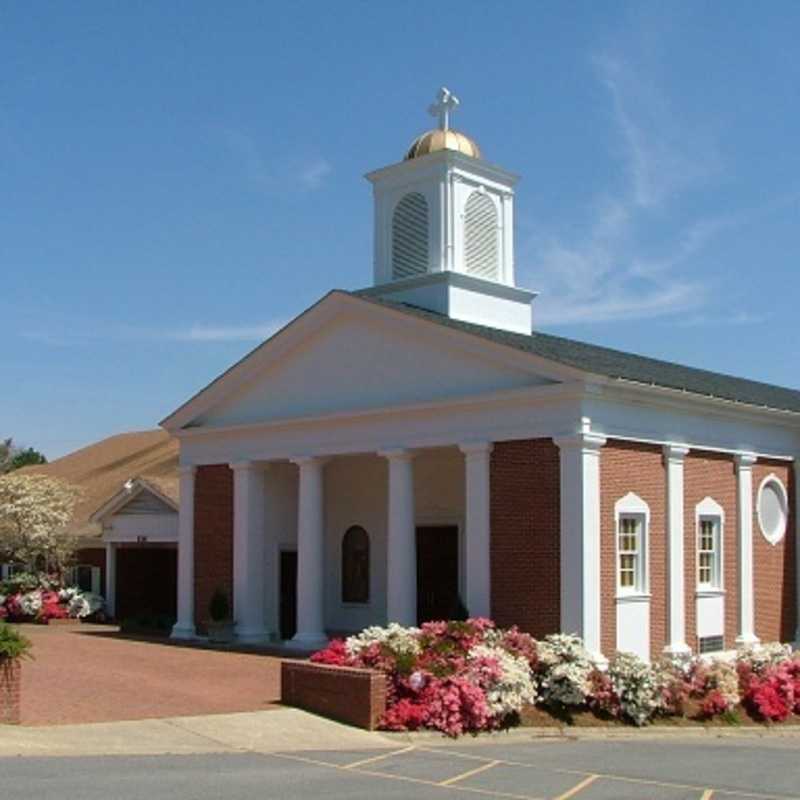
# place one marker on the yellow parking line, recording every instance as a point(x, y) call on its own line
point(469, 773)
point(403, 778)
point(372, 760)
point(577, 788)
point(612, 777)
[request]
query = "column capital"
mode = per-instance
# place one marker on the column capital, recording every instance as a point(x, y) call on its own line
point(185, 470)
point(745, 460)
point(245, 466)
point(675, 452)
point(476, 448)
point(309, 461)
point(396, 454)
point(585, 441)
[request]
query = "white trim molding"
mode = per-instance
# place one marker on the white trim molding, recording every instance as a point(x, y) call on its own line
point(580, 536)
point(744, 503)
point(477, 561)
point(249, 551)
point(709, 508)
point(674, 458)
point(401, 547)
point(184, 625)
point(797, 545)
point(633, 606)
point(773, 536)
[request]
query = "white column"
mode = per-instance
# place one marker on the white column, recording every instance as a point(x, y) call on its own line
point(676, 568)
point(744, 505)
point(796, 512)
point(310, 554)
point(184, 626)
point(249, 548)
point(401, 550)
point(580, 537)
point(111, 579)
point(477, 565)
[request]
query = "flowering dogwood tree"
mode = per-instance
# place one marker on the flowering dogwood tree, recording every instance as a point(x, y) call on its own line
point(34, 510)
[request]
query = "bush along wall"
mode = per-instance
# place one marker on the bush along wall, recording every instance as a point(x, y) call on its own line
point(14, 647)
point(467, 677)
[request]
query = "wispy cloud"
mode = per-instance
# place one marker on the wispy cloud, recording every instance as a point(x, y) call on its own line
point(314, 173)
point(276, 173)
point(613, 270)
point(75, 335)
point(226, 333)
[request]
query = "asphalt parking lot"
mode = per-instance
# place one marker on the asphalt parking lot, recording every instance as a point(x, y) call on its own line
point(556, 770)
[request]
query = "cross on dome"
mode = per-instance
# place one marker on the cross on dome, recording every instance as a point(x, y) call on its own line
point(446, 102)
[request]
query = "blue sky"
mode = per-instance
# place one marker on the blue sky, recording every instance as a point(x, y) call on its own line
point(178, 179)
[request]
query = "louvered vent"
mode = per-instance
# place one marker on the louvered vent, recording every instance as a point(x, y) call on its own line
point(480, 236)
point(410, 237)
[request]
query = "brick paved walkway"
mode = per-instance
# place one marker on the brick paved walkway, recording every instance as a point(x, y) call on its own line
point(86, 673)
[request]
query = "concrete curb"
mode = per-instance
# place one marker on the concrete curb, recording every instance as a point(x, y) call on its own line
point(566, 733)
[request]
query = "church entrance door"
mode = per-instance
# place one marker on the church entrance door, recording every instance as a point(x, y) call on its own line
point(437, 573)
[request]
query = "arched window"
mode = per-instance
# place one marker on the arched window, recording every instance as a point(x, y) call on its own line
point(480, 236)
point(355, 566)
point(410, 237)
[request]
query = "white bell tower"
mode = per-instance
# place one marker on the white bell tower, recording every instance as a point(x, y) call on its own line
point(444, 230)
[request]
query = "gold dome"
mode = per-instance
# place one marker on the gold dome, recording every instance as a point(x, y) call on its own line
point(437, 139)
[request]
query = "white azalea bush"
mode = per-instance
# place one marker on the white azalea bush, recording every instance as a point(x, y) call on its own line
point(40, 598)
point(465, 677)
point(565, 670)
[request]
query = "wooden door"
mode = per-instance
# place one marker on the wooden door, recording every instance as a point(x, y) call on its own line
point(437, 573)
point(288, 603)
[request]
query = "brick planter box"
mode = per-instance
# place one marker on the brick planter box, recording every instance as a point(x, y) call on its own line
point(10, 689)
point(346, 694)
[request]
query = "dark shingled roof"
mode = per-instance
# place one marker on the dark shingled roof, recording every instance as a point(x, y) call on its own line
point(619, 365)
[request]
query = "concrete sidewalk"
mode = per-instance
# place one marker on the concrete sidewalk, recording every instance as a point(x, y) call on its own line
point(281, 729)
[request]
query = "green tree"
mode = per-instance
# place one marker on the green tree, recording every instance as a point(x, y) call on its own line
point(26, 458)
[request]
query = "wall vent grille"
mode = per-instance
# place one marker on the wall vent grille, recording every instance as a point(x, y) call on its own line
point(480, 236)
point(710, 644)
point(410, 237)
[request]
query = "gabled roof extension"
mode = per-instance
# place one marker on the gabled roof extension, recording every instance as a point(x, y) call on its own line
point(620, 365)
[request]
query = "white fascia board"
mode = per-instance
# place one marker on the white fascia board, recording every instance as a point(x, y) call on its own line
point(431, 162)
point(652, 415)
point(125, 495)
point(313, 319)
point(533, 396)
point(536, 412)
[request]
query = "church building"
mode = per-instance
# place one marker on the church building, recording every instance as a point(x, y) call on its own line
point(418, 450)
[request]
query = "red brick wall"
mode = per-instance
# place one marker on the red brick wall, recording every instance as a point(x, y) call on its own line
point(94, 557)
point(354, 696)
point(10, 692)
point(525, 535)
point(213, 537)
point(638, 468)
point(774, 565)
point(711, 475)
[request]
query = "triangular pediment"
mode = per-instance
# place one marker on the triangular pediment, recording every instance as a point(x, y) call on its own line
point(347, 355)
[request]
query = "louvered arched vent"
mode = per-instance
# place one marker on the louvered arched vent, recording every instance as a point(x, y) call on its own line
point(480, 236)
point(410, 237)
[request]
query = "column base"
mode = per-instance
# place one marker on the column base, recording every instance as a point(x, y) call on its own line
point(309, 641)
point(252, 636)
point(748, 640)
point(677, 650)
point(183, 631)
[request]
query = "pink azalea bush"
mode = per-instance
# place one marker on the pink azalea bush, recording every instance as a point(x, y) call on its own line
point(471, 676)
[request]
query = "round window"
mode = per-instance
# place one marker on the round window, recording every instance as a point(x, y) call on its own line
point(773, 509)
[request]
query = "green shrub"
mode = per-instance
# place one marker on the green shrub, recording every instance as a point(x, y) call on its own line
point(13, 644)
point(219, 609)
